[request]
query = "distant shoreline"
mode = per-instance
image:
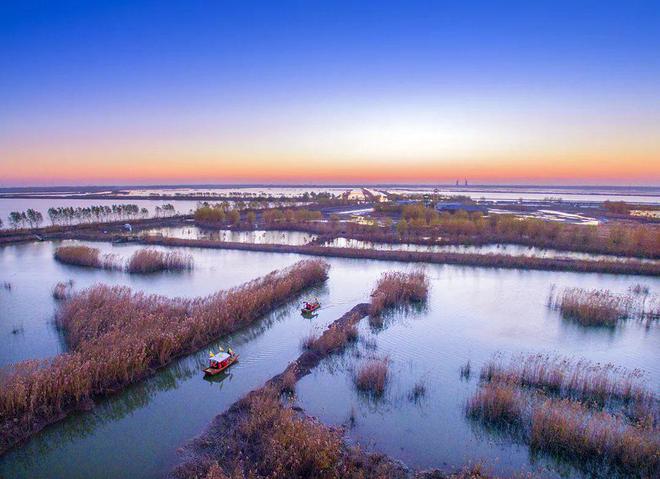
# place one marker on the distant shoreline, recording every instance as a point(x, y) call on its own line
point(639, 190)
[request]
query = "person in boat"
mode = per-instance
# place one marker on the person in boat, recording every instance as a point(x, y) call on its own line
point(312, 305)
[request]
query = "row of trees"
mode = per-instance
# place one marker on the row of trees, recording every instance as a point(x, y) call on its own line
point(68, 215)
point(638, 240)
point(89, 214)
point(22, 219)
point(290, 216)
point(222, 213)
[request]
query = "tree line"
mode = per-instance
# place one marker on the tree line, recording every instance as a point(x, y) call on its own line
point(68, 215)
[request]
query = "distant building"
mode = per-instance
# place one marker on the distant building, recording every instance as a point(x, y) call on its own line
point(455, 206)
point(355, 195)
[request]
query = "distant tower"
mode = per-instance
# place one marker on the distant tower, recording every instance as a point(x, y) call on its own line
point(456, 182)
point(465, 181)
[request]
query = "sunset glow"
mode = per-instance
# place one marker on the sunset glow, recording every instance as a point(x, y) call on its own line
point(297, 93)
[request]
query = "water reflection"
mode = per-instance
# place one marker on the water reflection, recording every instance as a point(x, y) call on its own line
point(257, 236)
point(504, 249)
point(471, 313)
point(428, 346)
point(400, 314)
point(83, 424)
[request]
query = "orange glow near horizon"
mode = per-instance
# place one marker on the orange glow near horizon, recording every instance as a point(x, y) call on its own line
point(633, 169)
point(336, 93)
point(392, 148)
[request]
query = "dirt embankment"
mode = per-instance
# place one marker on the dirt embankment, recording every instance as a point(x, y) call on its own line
point(631, 266)
point(255, 434)
point(106, 231)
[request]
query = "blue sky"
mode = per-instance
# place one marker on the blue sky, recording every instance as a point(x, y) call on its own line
point(186, 90)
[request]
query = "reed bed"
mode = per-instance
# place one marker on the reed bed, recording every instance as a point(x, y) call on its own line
point(581, 380)
point(396, 288)
point(498, 404)
point(602, 307)
point(62, 290)
point(150, 261)
point(143, 261)
point(117, 337)
point(466, 259)
point(372, 376)
point(592, 307)
point(262, 438)
point(289, 381)
point(79, 255)
point(573, 410)
point(570, 429)
point(334, 339)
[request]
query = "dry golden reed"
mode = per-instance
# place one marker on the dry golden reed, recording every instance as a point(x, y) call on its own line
point(117, 336)
point(397, 288)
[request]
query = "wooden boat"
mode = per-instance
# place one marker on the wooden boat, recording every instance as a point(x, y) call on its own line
point(219, 362)
point(309, 308)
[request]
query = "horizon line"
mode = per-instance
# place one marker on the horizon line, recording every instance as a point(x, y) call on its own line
point(318, 184)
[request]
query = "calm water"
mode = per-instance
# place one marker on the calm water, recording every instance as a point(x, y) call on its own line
point(471, 314)
point(506, 249)
point(633, 194)
point(257, 236)
point(643, 194)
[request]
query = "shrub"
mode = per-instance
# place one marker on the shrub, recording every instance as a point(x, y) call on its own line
point(210, 214)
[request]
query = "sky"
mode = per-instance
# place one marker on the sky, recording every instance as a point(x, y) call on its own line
point(160, 92)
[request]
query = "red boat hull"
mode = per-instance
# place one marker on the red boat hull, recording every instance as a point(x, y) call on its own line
point(311, 310)
point(213, 371)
